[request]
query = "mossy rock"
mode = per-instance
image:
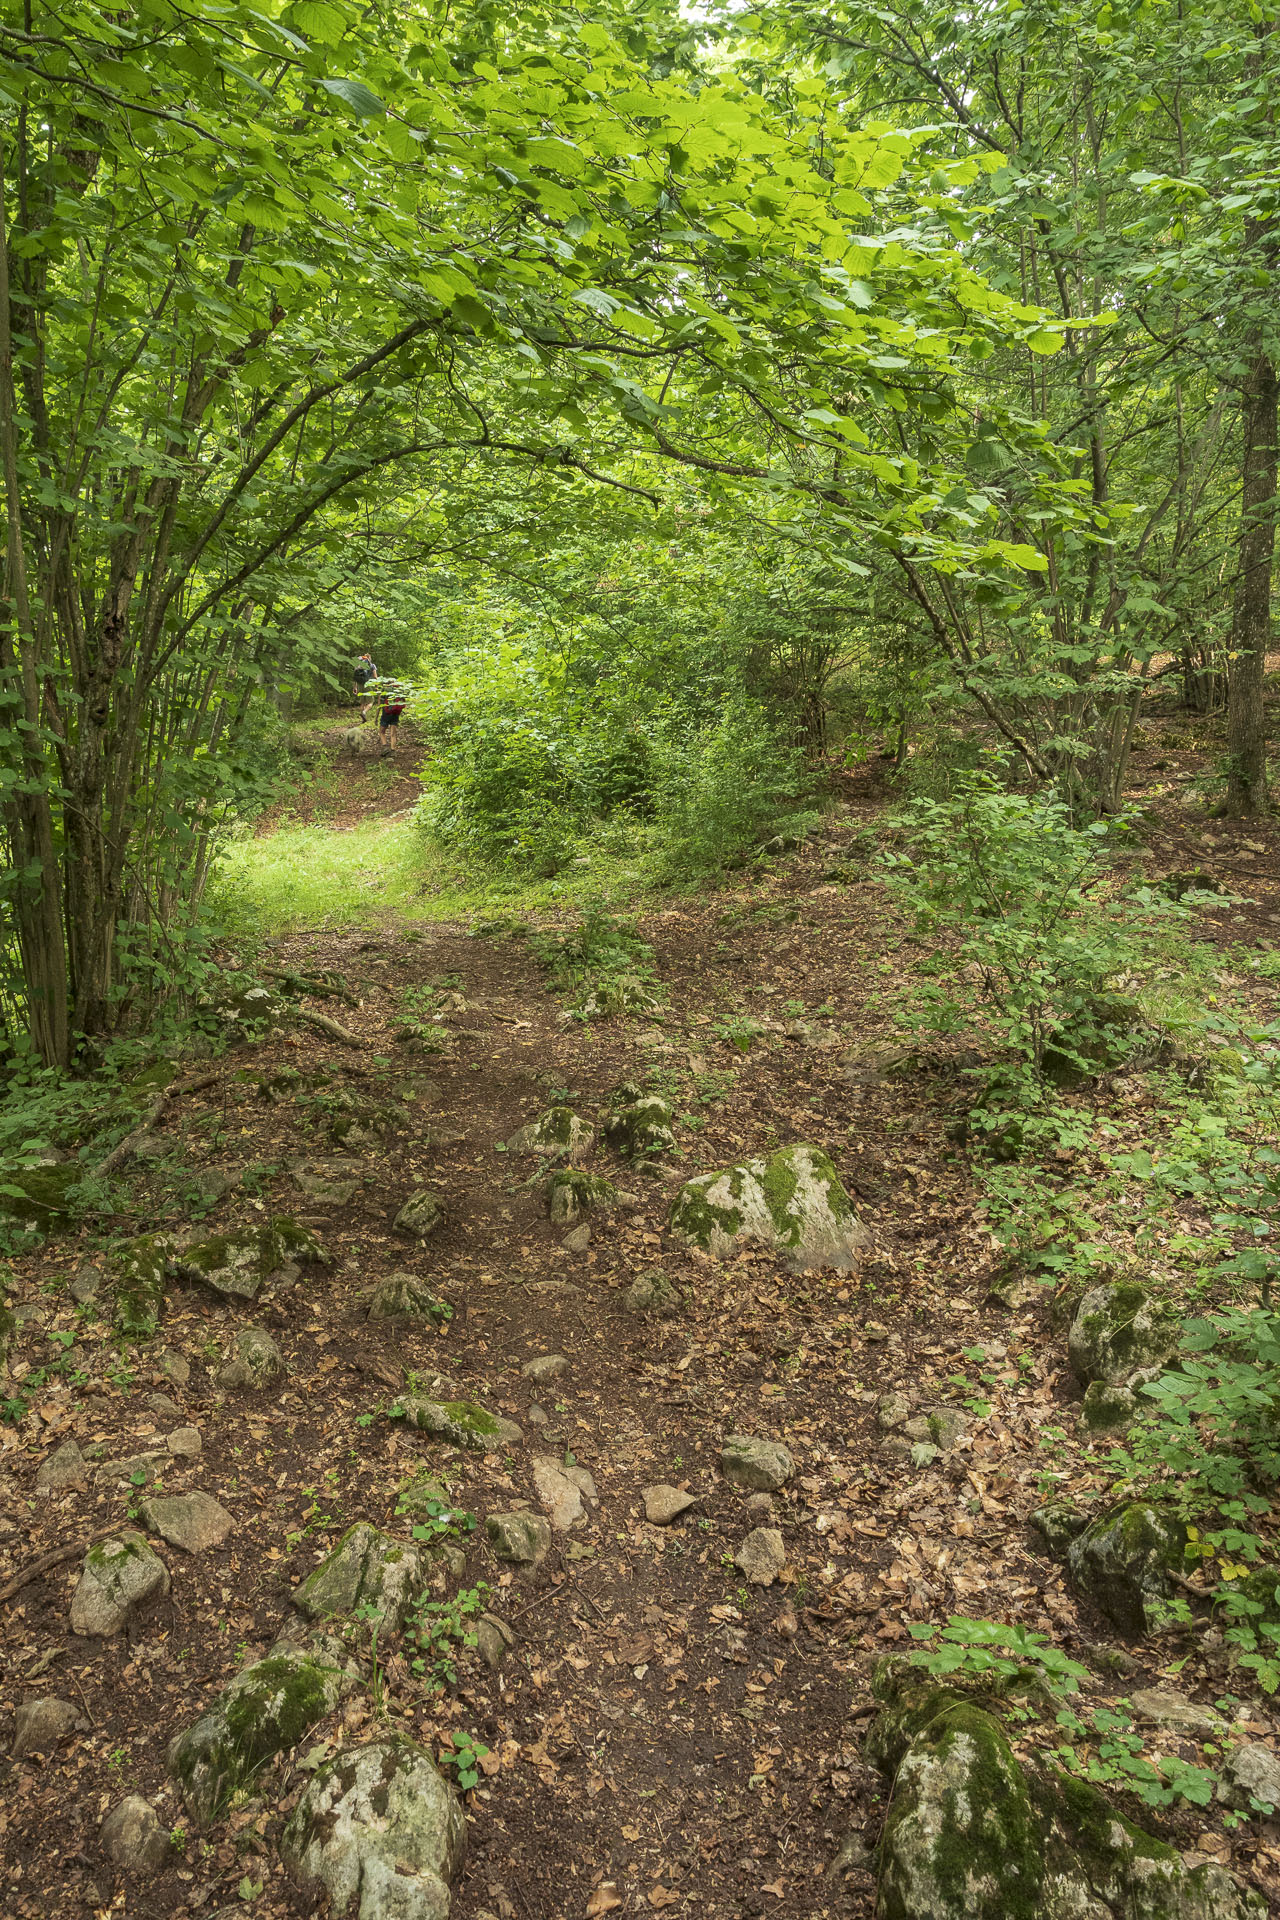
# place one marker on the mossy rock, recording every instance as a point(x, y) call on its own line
point(140, 1268)
point(41, 1195)
point(572, 1195)
point(420, 1215)
point(236, 1264)
point(792, 1202)
point(557, 1131)
point(1117, 1331)
point(378, 1826)
point(402, 1296)
point(462, 1423)
point(652, 1296)
point(367, 1571)
point(1107, 1409)
point(1123, 1560)
point(264, 1711)
point(1099, 1037)
point(638, 1125)
point(1058, 1523)
point(972, 1833)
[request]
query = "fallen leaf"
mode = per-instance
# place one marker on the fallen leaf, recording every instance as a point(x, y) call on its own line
point(603, 1900)
point(661, 1896)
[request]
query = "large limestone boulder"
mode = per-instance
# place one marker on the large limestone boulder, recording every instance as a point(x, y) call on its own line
point(792, 1202)
point(264, 1711)
point(236, 1264)
point(572, 1195)
point(381, 1832)
point(118, 1576)
point(972, 1833)
point(1123, 1559)
point(1118, 1330)
point(366, 1570)
point(558, 1132)
point(638, 1125)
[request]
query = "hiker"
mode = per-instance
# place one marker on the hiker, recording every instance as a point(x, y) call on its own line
point(363, 672)
point(391, 701)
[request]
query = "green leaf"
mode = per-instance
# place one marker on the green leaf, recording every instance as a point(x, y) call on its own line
point(356, 95)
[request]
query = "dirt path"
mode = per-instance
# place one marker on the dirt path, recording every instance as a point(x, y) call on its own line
point(663, 1737)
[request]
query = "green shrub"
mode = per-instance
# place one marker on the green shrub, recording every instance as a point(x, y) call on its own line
point(724, 789)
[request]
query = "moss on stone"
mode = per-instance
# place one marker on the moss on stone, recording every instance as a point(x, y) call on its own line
point(695, 1216)
point(40, 1194)
point(265, 1711)
point(141, 1267)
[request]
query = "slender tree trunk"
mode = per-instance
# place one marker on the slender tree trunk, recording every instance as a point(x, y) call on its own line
point(1251, 608)
point(28, 815)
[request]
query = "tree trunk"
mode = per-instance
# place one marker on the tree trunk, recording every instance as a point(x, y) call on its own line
point(1251, 608)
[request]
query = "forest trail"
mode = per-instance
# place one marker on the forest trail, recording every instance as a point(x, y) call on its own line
point(662, 1734)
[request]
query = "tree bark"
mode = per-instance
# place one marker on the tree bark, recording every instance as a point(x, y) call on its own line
point(1251, 606)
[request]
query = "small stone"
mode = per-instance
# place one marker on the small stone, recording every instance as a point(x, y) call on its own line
point(420, 1215)
point(547, 1366)
point(1251, 1775)
point(1119, 1329)
point(578, 1239)
point(133, 1838)
point(761, 1556)
point(792, 1202)
point(663, 1504)
point(947, 1427)
point(537, 1416)
point(86, 1285)
point(65, 1467)
point(118, 1576)
point(173, 1366)
point(1122, 1561)
point(161, 1404)
point(556, 1132)
point(561, 1491)
point(1162, 1707)
point(762, 1466)
point(1058, 1523)
point(134, 1469)
point(39, 1725)
point(892, 1410)
point(463, 1423)
point(758, 1503)
point(652, 1295)
point(185, 1442)
point(252, 1362)
point(402, 1296)
point(195, 1522)
point(874, 1333)
point(494, 1639)
point(521, 1539)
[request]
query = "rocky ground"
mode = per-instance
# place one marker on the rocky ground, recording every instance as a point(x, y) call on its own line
point(645, 1652)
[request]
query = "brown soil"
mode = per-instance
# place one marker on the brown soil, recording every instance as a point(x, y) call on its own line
point(660, 1732)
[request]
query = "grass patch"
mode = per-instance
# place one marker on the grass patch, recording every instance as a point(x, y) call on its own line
point(391, 871)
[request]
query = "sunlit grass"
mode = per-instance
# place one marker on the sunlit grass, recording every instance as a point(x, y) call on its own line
point(392, 871)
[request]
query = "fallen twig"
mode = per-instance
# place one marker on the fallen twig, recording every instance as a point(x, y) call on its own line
point(50, 1560)
point(326, 1025)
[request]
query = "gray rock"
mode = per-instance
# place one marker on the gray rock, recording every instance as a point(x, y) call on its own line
point(139, 1270)
point(420, 1215)
point(652, 1296)
point(366, 1570)
point(236, 1264)
point(1162, 1707)
point(547, 1366)
point(1122, 1561)
point(760, 1504)
point(65, 1467)
point(947, 1427)
point(1117, 1331)
point(264, 1711)
point(254, 1360)
point(562, 1490)
point(638, 1125)
point(792, 1202)
point(1108, 1409)
point(86, 1285)
point(1251, 1777)
point(463, 1423)
point(118, 1576)
point(161, 1404)
point(578, 1239)
point(39, 1725)
point(196, 1522)
point(185, 1442)
point(762, 1466)
point(663, 1504)
point(521, 1539)
point(572, 1195)
point(378, 1826)
point(494, 1640)
point(402, 1296)
point(133, 1838)
point(173, 1366)
point(1058, 1523)
point(892, 1410)
point(133, 1469)
point(421, 1492)
point(971, 1833)
point(557, 1132)
point(761, 1556)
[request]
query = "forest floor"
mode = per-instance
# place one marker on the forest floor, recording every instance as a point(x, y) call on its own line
point(663, 1737)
